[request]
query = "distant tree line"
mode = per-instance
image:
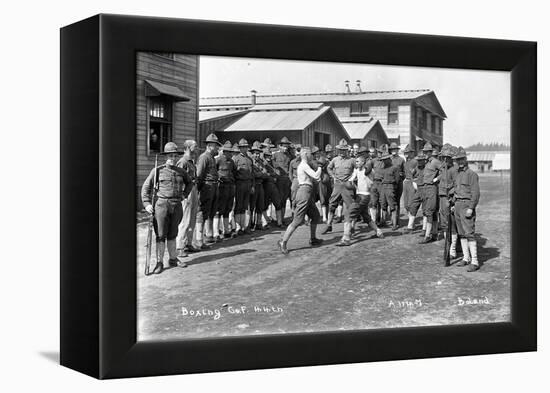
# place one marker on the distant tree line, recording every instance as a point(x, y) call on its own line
point(488, 147)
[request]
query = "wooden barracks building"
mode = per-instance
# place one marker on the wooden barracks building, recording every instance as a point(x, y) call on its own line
point(369, 117)
point(167, 87)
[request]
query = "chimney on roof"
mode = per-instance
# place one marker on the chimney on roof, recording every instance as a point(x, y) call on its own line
point(358, 87)
point(347, 86)
point(253, 96)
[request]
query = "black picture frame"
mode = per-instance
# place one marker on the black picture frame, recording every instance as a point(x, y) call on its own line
point(98, 238)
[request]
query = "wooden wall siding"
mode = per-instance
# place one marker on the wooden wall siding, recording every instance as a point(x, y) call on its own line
point(327, 124)
point(430, 103)
point(181, 71)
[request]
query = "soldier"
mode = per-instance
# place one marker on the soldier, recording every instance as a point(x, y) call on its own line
point(266, 144)
point(271, 192)
point(388, 202)
point(354, 150)
point(341, 169)
point(257, 197)
point(173, 185)
point(409, 191)
point(185, 240)
point(360, 207)
point(466, 199)
point(207, 185)
point(418, 196)
point(281, 163)
point(325, 184)
point(447, 184)
point(292, 174)
point(398, 162)
point(226, 189)
point(430, 201)
point(243, 186)
point(304, 202)
point(376, 194)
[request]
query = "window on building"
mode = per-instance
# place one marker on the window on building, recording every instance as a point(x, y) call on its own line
point(321, 140)
point(393, 113)
point(424, 122)
point(419, 117)
point(160, 122)
point(434, 122)
point(359, 109)
point(372, 143)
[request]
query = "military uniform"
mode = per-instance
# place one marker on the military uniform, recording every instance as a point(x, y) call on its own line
point(173, 185)
point(257, 197)
point(281, 163)
point(243, 180)
point(467, 196)
point(271, 192)
point(292, 174)
point(418, 179)
point(410, 169)
point(189, 206)
point(226, 189)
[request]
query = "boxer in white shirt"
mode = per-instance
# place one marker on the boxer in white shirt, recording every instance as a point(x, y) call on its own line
point(304, 202)
point(360, 207)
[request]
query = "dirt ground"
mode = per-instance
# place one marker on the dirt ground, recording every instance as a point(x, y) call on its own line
point(245, 286)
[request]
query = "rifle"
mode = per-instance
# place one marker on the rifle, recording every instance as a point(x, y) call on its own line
point(150, 227)
point(448, 230)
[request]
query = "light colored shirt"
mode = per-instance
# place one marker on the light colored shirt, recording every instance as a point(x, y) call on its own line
point(306, 174)
point(364, 182)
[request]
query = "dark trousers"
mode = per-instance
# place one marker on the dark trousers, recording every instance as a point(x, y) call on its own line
point(416, 201)
point(305, 205)
point(271, 195)
point(360, 208)
point(226, 196)
point(257, 198)
point(430, 201)
point(444, 213)
point(168, 215)
point(408, 194)
point(466, 226)
point(398, 193)
point(325, 190)
point(283, 185)
point(242, 195)
point(342, 191)
point(208, 195)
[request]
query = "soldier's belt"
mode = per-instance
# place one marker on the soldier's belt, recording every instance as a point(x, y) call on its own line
point(174, 199)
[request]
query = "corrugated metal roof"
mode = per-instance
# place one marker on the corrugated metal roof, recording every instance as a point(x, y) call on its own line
point(481, 156)
point(276, 120)
point(318, 97)
point(210, 115)
point(358, 130)
point(278, 107)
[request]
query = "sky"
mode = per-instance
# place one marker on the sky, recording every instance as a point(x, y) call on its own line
point(477, 103)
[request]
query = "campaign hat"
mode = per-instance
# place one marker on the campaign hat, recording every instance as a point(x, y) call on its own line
point(427, 147)
point(343, 145)
point(256, 146)
point(461, 153)
point(170, 148)
point(243, 143)
point(212, 138)
point(284, 141)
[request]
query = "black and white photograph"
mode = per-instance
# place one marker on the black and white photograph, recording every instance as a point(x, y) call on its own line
point(277, 196)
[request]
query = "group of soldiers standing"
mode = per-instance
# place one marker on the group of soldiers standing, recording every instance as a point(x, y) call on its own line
point(232, 190)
